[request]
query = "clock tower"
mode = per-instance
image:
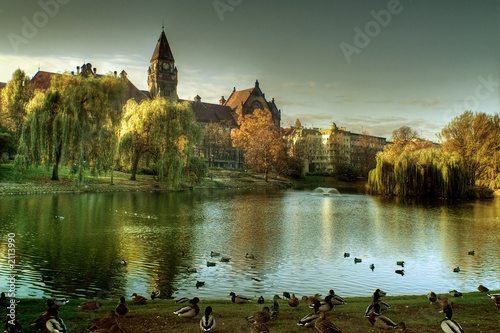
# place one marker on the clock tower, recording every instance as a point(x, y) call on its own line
point(162, 73)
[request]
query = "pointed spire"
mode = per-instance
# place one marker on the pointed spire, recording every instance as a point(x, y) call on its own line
point(162, 49)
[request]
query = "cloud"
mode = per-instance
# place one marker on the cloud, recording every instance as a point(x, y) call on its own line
point(423, 101)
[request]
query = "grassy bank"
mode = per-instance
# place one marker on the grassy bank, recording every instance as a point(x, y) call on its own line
point(474, 311)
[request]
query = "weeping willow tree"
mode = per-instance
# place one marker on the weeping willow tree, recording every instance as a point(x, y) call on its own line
point(72, 123)
point(422, 172)
point(161, 133)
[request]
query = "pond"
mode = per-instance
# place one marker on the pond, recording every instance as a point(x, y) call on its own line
point(76, 245)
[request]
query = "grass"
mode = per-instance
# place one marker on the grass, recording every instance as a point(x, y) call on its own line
point(474, 311)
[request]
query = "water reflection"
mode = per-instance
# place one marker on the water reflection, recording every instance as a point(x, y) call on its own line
point(73, 244)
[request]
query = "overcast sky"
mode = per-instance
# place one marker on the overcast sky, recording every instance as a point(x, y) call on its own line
point(366, 65)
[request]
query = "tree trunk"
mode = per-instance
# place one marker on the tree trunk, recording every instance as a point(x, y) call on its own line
point(135, 164)
point(267, 171)
point(55, 169)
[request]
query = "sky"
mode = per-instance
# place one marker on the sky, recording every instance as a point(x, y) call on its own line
point(367, 65)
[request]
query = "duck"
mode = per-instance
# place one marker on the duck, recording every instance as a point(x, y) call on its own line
point(336, 299)
point(155, 294)
point(90, 305)
point(308, 320)
point(257, 327)
point(324, 325)
point(122, 307)
point(379, 293)
point(324, 306)
point(138, 299)
point(199, 284)
point(191, 269)
point(311, 299)
point(4, 301)
point(495, 298)
point(124, 262)
point(400, 271)
point(444, 302)
point(372, 267)
point(400, 263)
point(214, 254)
point(260, 300)
point(207, 322)
point(449, 325)
point(455, 293)
point(105, 324)
point(211, 264)
point(381, 322)
point(225, 259)
point(286, 295)
point(55, 324)
point(189, 311)
point(471, 253)
point(347, 254)
point(61, 301)
point(482, 289)
point(275, 308)
point(262, 316)
point(238, 299)
point(357, 260)
point(249, 256)
point(293, 301)
point(456, 269)
point(182, 300)
point(432, 297)
point(383, 307)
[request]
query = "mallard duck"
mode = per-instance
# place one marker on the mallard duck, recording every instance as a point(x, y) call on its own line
point(323, 306)
point(260, 300)
point(495, 298)
point(286, 295)
point(105, 323)
point(61, 301)
point(449, 325)
point(189, 311)
point(225, 259)
point(308, 320)
point(207, 322)
point(199, 284)
point(381, 322)
point(155, 294)
point(122, 308)
point(214, 254)
point(257, 327)
point(191, 269)
point(444, 302)
point(400, 271)
point(471, 253)
point(323, 325)
point(293, 301)
point(211, 264)
point(55, 324)
point(456, 269)
point(400, 263)
point(336, 299)
point(90, 305)
point(347, 254)
point(238, 299)
point(249, 256)
point(357, 260)
point(382, 307)
point(262, 316)
point(455, 293)
point(482, 289)
point(182, 300)
point(138, 299)
point(432, 297)
point(275, 308)
point(379, 293)
point(124, 262)
point(372, 267)
point(311, 299)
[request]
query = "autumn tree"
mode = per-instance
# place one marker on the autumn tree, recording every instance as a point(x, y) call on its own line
point(260, 139)
point(476, 138)
point(72, 123)
point(404, 134)
point(161, 132)
point(13, 99)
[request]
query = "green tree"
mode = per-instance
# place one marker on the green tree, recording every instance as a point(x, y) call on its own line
point(476, 138)
point(14, 98)
point(72, 123)
point(161, 132)
point(260, 139)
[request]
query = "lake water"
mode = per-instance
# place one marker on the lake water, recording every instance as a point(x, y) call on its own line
point(72, 244)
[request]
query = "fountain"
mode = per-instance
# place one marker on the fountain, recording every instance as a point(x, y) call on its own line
point(326, 190)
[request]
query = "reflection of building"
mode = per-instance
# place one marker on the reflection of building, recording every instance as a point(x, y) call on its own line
point(321, 149)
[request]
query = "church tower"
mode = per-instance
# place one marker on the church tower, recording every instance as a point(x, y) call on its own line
point(162, 73)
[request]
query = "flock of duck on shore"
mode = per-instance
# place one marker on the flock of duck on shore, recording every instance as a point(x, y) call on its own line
point(258, 321)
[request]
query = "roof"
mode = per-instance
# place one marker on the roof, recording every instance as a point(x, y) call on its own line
point(162, 49)
point(238, 98)
point(207, 112)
